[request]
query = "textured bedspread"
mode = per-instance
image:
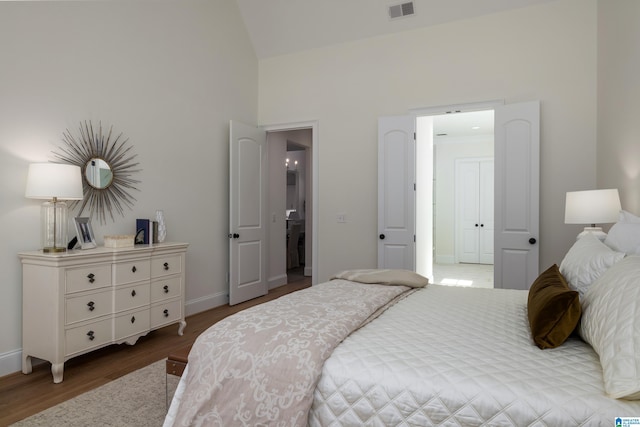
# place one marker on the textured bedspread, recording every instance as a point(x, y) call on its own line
point(461, 357)
point(260, 366)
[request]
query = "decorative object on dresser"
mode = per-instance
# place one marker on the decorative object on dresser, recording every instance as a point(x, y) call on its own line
point(80, 301)
point(592, 207)
point(118, 240)
point(162, 226)
point(107, 169)
point(84, 232)
point(54, 182)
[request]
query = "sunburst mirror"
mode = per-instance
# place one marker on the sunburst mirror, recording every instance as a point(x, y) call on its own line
point(108, 168)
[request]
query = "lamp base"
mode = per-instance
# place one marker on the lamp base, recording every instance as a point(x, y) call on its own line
point(597, 231)
point(56, 249)
point(54, 226)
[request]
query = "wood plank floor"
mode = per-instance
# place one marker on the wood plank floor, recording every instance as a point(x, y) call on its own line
point(24, 395)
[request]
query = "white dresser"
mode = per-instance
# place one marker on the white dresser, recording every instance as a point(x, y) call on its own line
point(79, 301)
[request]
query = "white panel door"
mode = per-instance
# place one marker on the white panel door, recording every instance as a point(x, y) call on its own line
point(474, 201)
point(396, 192)
point(247, 213)
point(468, 210)
point(517, 182)
point(487, 228)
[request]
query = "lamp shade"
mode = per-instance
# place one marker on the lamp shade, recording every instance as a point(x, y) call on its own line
point(592, 207)
point(49, 180)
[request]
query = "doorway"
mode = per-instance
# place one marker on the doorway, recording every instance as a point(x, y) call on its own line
point(461, 251)
point(291, 204)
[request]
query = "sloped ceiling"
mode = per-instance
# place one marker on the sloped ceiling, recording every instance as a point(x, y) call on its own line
point(279, 27)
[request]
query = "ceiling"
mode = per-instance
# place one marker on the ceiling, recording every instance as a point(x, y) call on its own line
point(460, 127)
point(278, 27)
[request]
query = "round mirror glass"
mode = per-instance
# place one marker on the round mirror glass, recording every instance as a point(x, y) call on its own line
point(98, 173)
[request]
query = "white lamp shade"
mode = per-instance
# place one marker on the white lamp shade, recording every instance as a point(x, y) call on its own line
point(592, 207)
point(49, 180)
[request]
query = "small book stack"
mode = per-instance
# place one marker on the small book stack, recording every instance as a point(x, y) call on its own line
point(146, 231)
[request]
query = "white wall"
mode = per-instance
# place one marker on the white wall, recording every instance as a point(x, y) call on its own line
point(545, 52)
point(169, 75)
point(619, 100)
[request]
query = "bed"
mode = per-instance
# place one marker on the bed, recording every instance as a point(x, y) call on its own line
point(383, 348)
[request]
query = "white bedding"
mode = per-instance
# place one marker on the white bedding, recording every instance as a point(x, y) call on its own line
point(461, 357)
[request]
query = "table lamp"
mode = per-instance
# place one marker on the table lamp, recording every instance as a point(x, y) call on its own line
point(592, 207)
point(54, 182)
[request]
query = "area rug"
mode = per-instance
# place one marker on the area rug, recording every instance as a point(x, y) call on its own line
point(136, 399)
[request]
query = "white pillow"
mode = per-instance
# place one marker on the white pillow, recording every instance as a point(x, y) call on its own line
point(627, 217)
point(624, 237)
point(611, 324)
point(587, 259)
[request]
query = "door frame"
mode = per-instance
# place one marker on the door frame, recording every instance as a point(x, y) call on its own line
point(315, 142)
point(438, 111)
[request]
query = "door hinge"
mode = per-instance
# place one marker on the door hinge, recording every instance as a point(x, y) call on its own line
point(414, 136)
point(414, 238)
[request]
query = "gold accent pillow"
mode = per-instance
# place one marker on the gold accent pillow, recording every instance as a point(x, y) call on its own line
point(553, 308)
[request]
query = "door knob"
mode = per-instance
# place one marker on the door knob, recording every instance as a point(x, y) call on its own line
point(382, 236)
point(532, 241)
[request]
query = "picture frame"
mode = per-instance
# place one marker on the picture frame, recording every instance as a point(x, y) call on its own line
point(84, 232)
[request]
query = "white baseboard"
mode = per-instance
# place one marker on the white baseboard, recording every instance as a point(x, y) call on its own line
point(10, 362)
point(206, 303)
point(274, 282)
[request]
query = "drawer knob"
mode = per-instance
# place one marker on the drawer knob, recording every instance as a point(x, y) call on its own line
point(91, 277)
point(166, 289)
point(134, 269)
point(133, 319)
point(91, 305)
point(133, 293)
point(166, 265)
point(91, 336)
point(166, 313)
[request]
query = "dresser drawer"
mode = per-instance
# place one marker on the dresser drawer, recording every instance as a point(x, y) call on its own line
point(166, 288)
point(166, 265)
point(131, 297)
point(130, 324)
point(88, 336)
point(88, 306)
point(85, 278)
point(167, 312)
point(132, 271)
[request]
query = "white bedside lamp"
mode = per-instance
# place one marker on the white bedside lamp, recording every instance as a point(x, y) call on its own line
point(592, 207)
point(54, 182)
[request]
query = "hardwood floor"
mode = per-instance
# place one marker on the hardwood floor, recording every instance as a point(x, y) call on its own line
point(24, 395)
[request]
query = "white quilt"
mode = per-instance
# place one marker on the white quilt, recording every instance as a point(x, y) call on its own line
point(450, 356)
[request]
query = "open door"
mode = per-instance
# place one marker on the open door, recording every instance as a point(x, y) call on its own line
point(517, 194)
point(396, 192)
point(247, 213)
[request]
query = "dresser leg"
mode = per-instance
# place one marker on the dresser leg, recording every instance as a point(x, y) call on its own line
point(183, 325)
point(26, 363)
point(57, 370)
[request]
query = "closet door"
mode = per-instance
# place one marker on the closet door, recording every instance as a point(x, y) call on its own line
point(474, 211)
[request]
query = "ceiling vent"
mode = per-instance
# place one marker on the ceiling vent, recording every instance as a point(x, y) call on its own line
point(401, 10)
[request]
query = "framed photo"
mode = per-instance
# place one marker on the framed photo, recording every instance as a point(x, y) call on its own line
point(85, 233)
